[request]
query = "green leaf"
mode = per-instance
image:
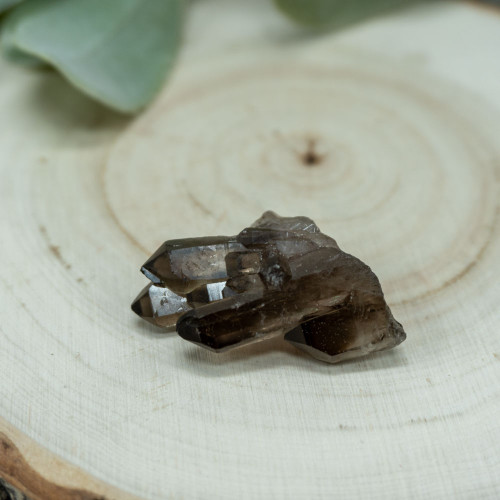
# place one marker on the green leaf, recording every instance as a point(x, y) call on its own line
point(7, 4)
point(336, 13)
point(19, 57)
point(116, 51)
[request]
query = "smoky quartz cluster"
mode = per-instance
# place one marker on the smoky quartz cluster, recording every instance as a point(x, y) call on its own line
point(280, 276)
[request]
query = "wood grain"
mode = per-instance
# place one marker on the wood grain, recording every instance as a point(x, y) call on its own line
point(386, 135)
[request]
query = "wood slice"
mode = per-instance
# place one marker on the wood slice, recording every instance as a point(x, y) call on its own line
point(386, 135)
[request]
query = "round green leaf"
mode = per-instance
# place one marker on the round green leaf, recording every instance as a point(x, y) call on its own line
point(116, 51)
point(335, 13)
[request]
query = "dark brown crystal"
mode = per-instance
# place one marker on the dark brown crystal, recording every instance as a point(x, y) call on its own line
point(280, 276)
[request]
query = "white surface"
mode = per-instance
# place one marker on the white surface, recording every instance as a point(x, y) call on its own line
point(405, 114)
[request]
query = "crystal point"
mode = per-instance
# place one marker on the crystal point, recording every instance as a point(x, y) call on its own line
point(184, 265)
point(159, 305)
point(280, 275)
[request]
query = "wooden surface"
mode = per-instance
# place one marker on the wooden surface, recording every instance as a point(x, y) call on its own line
point(403, 115)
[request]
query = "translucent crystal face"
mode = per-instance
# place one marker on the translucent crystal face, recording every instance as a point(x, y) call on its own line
point(279, 276)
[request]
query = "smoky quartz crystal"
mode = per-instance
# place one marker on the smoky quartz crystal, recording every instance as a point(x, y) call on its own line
point(280, 276)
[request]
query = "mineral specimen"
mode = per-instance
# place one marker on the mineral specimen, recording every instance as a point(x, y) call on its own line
point(279, 276)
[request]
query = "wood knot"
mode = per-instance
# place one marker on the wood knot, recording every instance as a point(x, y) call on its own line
point(310, 157)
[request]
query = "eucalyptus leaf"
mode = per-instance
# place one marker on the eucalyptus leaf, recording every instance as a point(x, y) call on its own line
point(116, 51)
point(19, 57)
point(7, 4)
point(336, 13)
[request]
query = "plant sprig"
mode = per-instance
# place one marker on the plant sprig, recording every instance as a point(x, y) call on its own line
point(119, 52)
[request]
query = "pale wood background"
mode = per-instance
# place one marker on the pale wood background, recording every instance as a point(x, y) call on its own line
point(406, 111)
